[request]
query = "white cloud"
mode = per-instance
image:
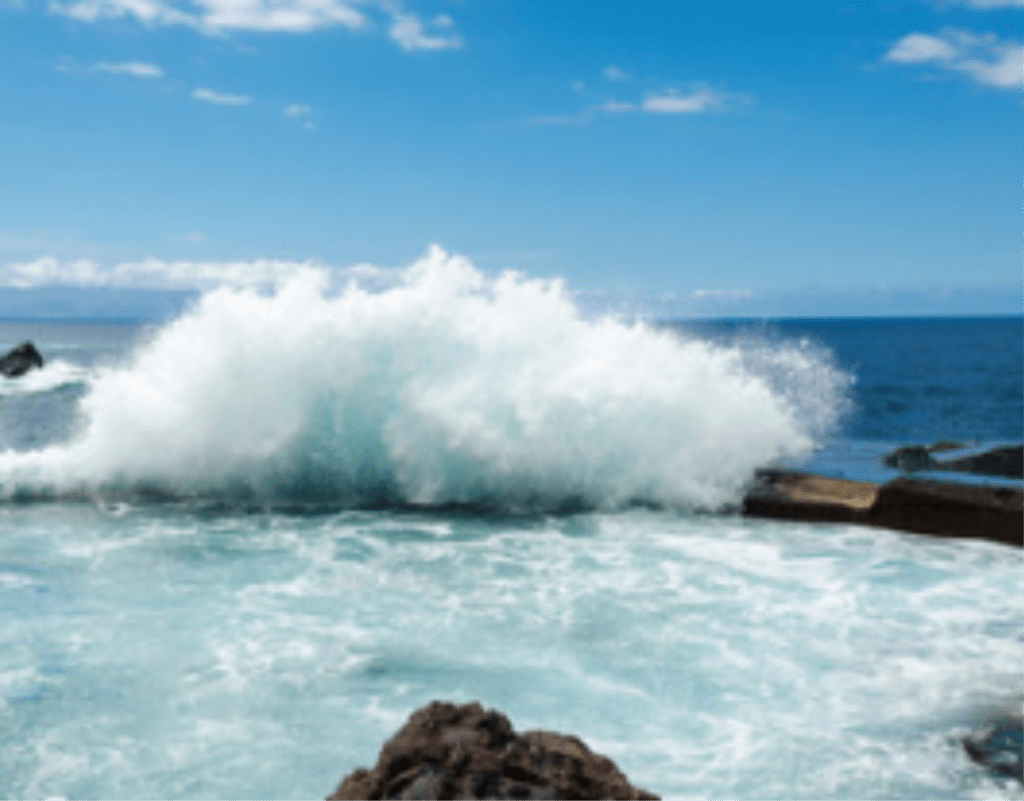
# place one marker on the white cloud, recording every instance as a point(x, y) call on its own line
point(407, 30)
point(580, 118)
point(721, 294)
point(982, 57)
point(698, 101)
point(295, 16)
point(221, 98)
point(987, 5)
point(215, 16)
point(919, 47)
point(297, 110)
point(137, 69)
point(613, 73)
point(616, 107)
point(150, 273)
point(671, 102)
point(149, 12)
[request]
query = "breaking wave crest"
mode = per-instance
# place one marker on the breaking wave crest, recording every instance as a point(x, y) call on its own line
point(446, 388)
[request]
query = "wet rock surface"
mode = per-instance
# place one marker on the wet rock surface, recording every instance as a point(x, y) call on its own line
point(18, 361)
point(940, 508)
point(952, 510)
point(464, 751)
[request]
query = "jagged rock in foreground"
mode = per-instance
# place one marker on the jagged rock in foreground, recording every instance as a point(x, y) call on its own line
point(18, 361)
point(451, 751)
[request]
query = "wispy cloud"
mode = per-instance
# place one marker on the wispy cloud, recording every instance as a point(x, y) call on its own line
point(984, 58)
point(292, 16)
point(986, 5)
point(721, 294)
point(616, 107)
point(218, 16)
point(149, 273)
point(297, 110)
point(149, 12)
point(221, 98)
point(613, 73)
point(137, 69)
point(408, 31)
point(696, 102)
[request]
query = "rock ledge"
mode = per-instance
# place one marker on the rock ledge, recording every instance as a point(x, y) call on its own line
point(451, 751)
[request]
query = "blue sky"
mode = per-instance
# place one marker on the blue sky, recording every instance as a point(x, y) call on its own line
point(677, 158)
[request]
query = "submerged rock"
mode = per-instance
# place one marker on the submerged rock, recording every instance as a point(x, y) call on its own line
point(451, 751)
point(20, 360)
point(999, 748)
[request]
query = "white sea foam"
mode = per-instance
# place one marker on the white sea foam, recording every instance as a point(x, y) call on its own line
point(447, 387)
point(53, 376)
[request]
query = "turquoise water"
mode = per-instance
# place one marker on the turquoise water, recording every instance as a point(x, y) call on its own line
point(169, 652)
point(256, 572)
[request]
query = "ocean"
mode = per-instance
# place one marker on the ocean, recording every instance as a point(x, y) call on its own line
point(239, 548)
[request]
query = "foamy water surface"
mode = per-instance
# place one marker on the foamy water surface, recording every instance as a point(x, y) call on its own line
point(155, 652)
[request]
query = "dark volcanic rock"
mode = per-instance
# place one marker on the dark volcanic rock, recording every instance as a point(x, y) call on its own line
point(942, 508)
point(951, 510)
point(1005, 462)
point(450, 751)
point(909, 458)
point(791, 495)
point(20, 360)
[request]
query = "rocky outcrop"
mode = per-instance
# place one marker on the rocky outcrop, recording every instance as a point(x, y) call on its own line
point(910, 458)
point(927, 507)
point(20, 360)
point(1006, 462)
point(951, 510)
point(791, 495)
point(451, 751)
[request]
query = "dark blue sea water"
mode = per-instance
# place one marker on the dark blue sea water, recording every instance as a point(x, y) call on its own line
point(230, 563)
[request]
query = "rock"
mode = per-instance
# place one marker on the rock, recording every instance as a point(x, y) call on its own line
point(791, 495)
point(20, 360)
point(941, 508)
point(951, 510)
point(909, 458)
point(451, 751)
point(1005, 462)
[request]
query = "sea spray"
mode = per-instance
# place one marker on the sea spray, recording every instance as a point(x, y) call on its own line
point(447, 387)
